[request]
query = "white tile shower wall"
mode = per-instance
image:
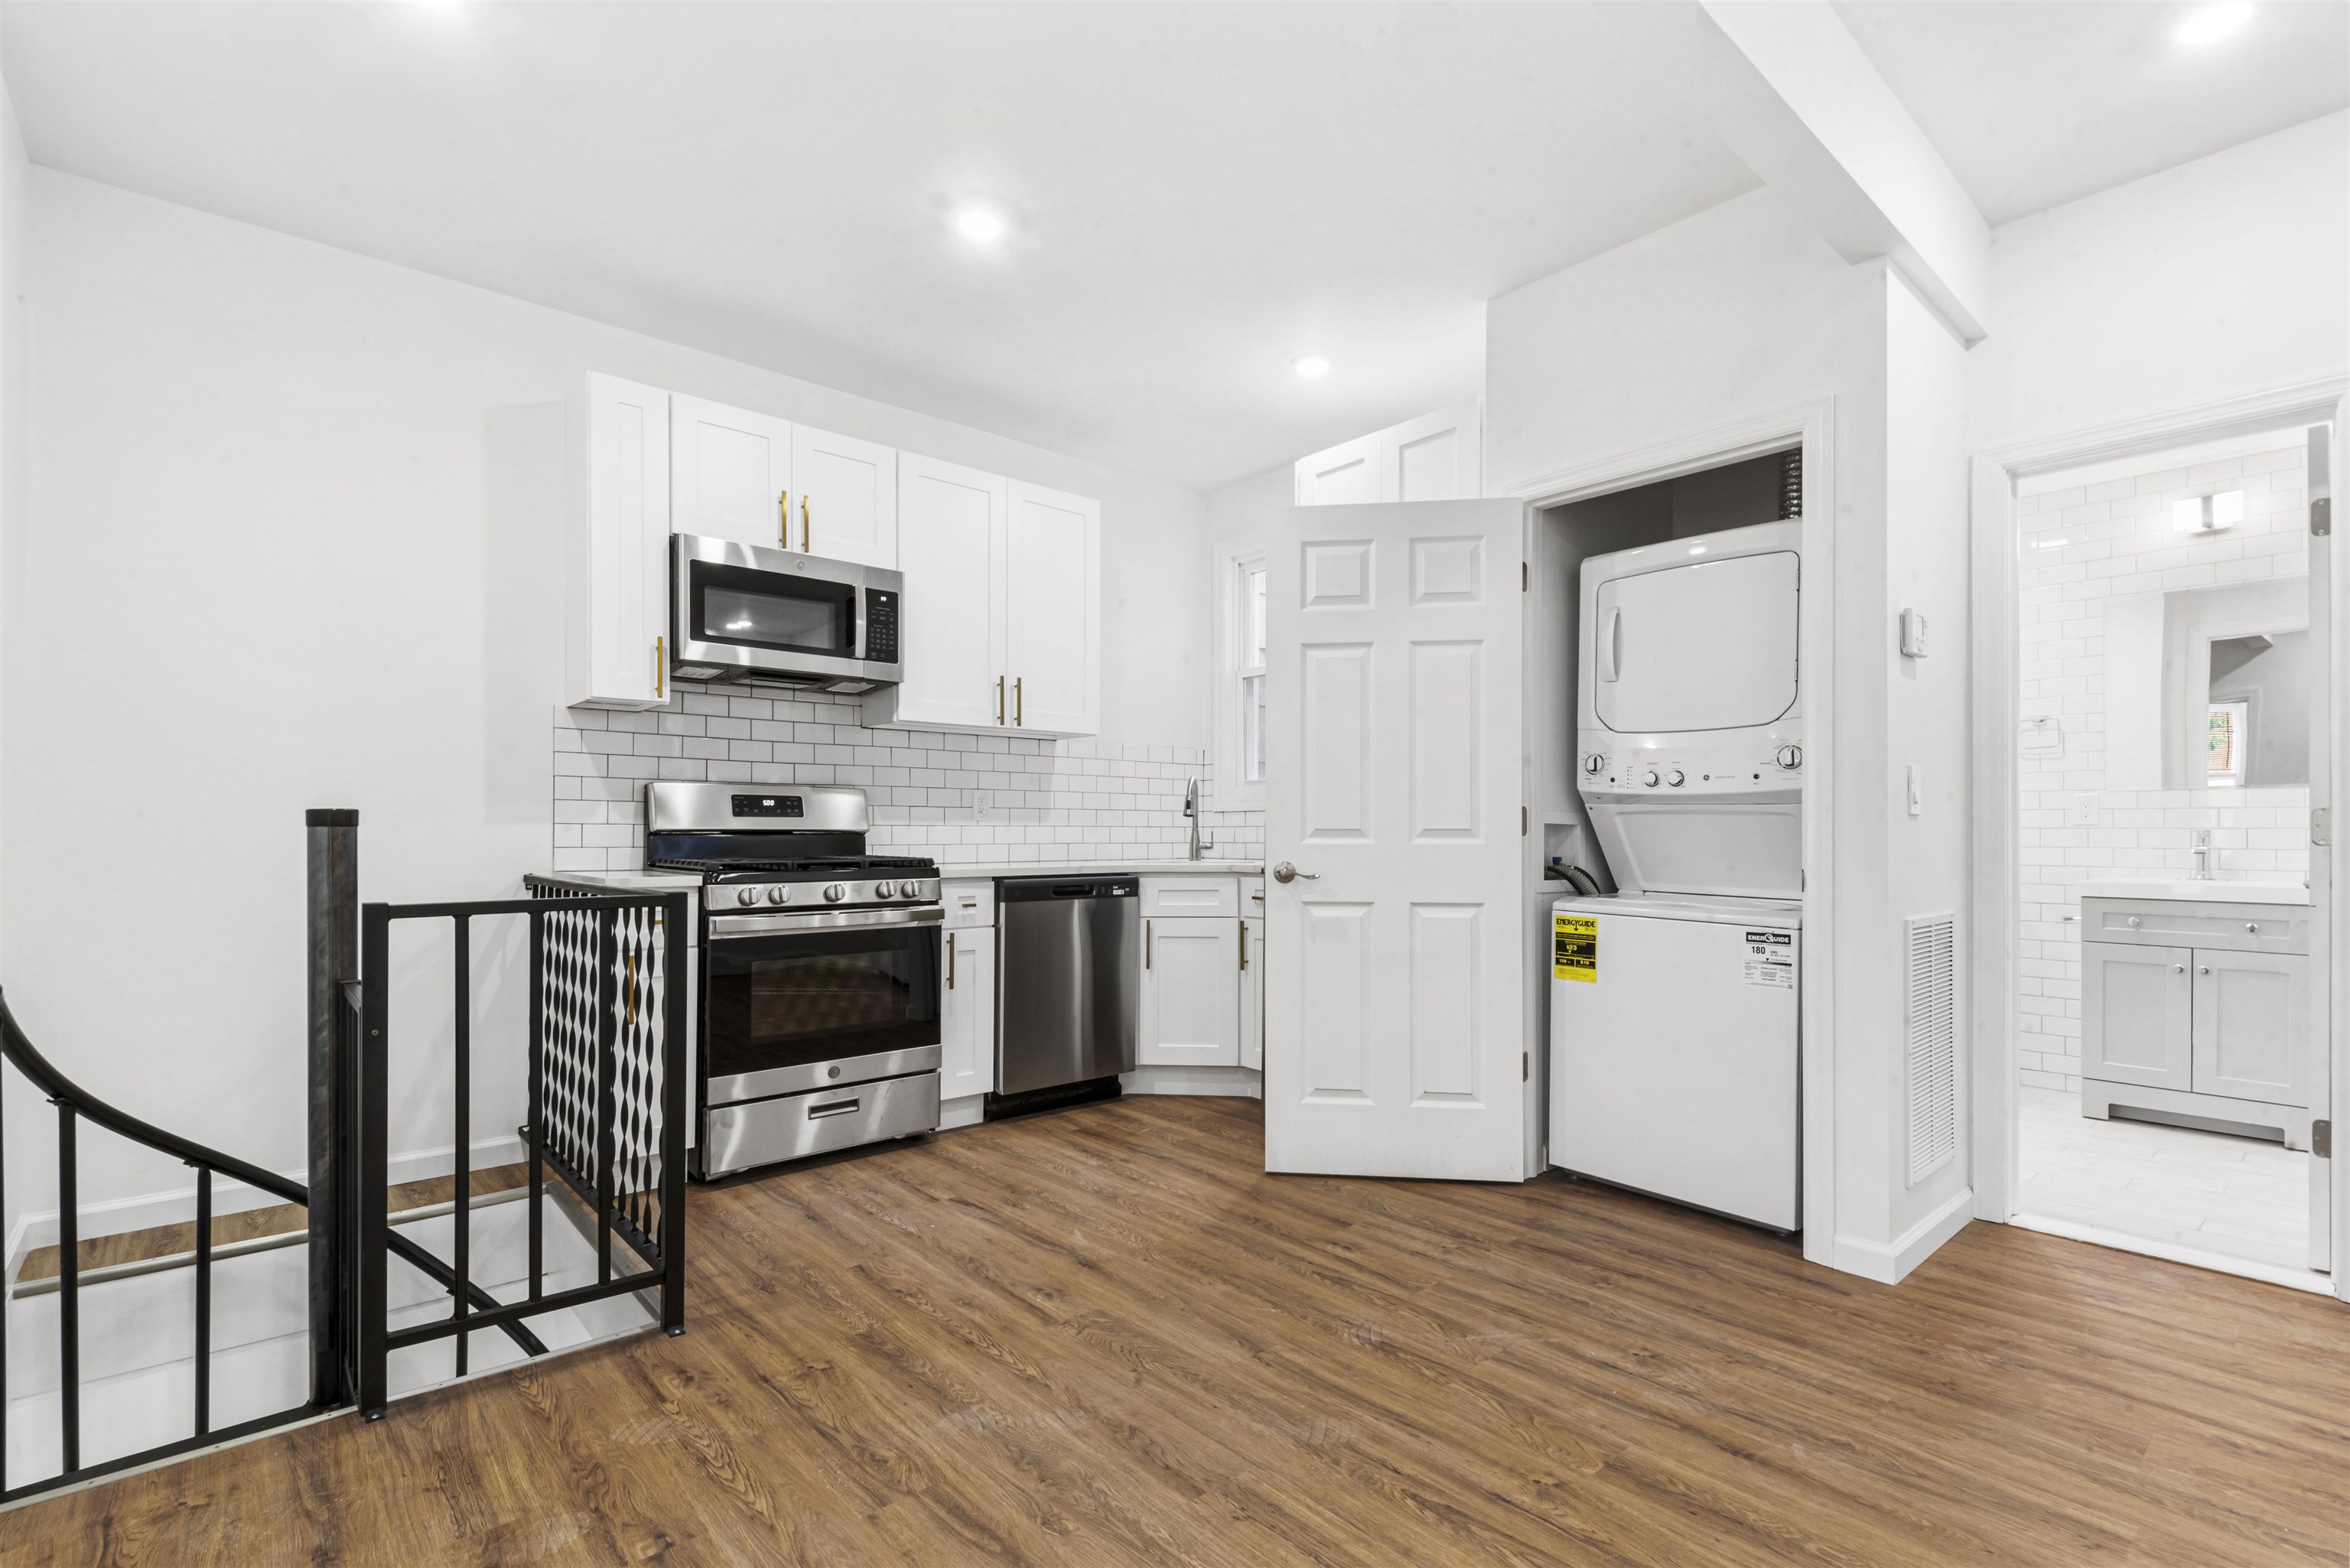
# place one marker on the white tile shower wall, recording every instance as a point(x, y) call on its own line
point(1053, 801)
point(2080, 547)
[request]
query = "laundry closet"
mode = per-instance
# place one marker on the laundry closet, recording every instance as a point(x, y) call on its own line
point(1665, 729)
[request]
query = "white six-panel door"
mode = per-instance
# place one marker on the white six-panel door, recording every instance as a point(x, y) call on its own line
point(1395, 999)
point(731, 472)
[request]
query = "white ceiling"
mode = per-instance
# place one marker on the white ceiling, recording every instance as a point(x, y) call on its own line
point(2037, 102)
point(1200, 193)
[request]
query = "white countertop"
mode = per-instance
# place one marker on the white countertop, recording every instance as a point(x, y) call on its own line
point(2213, 892)
point(975, 870)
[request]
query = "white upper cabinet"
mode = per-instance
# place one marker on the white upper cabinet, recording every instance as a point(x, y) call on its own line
point(730, 474)
point(848, 497)
point(619, 616)
point(951, 548)
point(1002, 612)
point(1436, 457)
point(1052, 621)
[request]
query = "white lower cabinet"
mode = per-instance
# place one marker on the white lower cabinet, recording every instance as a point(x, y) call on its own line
point(1191, 993)
point(1253, 993)
point(967, 1014)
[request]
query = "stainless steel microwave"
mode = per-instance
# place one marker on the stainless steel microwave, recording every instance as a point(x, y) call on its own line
point(778, 617)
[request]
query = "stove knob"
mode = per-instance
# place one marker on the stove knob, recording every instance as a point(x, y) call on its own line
point(779, 894)
point(1649, 778)
point(883, 890)
point(747, 895)
point(1677, 778)
point(910, 889)
point(836, 893)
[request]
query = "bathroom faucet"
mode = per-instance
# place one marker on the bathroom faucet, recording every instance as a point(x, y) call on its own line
point(1191, 811)
point(2202, 872)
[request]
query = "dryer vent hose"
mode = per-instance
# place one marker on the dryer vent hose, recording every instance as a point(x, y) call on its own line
point(1791, 484)
point(1583, 881)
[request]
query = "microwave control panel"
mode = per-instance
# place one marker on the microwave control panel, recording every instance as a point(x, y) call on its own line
point(880, 626)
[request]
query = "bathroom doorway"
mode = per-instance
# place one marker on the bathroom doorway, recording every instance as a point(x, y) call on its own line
point(2168, 1058)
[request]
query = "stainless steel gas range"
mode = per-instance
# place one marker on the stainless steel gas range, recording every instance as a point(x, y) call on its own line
point(820, 1003)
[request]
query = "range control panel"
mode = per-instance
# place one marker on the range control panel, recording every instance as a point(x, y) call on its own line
point(880, 626)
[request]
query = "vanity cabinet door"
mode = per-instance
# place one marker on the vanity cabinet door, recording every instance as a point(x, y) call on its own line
point(2251, 1026)
point(2137, 1015)
point(967, 1015)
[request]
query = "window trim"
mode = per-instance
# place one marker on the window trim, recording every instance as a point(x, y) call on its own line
point(1232, 557)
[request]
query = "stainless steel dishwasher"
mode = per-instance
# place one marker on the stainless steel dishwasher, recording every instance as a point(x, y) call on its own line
point(1069, 973)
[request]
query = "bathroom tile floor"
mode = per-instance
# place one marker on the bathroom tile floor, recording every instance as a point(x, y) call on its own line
point(2239, 1197)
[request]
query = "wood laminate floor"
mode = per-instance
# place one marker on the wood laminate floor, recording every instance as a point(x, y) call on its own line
point(1104, 1337)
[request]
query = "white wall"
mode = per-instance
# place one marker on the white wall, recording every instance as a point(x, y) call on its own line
point(20, 1126)
point(280, 564)
point(1736, 313)
point(2218, 277)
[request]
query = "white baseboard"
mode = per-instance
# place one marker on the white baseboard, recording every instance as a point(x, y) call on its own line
point(177, 1206)
point(1889, 1262)
point(1235, 1083)
point(2171, 1251)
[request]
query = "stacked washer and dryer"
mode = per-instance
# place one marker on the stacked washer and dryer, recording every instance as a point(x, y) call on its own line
point(1674, 1016)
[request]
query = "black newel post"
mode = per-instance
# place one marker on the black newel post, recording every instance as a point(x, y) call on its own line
point(334, 958)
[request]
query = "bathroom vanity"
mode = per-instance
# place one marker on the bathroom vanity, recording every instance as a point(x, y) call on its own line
point(2196, 1003)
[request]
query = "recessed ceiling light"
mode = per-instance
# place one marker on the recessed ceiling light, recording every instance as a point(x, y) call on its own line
point(983, 224)
point(1313, 367)
point(2213, 23)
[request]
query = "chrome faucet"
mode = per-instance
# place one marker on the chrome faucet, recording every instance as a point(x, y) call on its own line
point(1191, 811)
point(2202, 872)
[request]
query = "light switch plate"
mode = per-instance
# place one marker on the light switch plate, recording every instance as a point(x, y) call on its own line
point(2084, 810)
point(982, 803)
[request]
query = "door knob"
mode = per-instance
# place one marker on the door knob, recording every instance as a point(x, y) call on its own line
point(1285, 872)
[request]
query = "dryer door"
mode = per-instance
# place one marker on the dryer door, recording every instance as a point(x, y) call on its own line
point(1706, 646)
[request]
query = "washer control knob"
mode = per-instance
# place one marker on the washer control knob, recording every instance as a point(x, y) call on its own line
point(779, 894)
point(1677, 778)
point(885, 889)
point(1593, 762)
point(1790, 756)
point(747, 895)
point(910, 889)
point(1649, 778)
point(835, 892)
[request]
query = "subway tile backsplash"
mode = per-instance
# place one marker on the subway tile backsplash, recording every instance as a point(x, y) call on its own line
point(1050, 801)
point(2081, 548)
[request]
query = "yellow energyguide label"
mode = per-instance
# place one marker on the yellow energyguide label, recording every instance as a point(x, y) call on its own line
point(1575, 947)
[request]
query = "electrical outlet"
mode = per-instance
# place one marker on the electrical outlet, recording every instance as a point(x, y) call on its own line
point(983, 805)
point(2083, 813)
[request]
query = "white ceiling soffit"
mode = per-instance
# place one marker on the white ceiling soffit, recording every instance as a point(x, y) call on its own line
point(1197, 194)
point(2037, 102)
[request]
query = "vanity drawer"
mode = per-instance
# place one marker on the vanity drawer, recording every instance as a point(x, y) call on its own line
point(2234, 928)
point(1173, 897)
point(968, 904)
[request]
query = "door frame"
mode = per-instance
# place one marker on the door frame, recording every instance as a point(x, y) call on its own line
point(1812, 424)
point(1993, 583)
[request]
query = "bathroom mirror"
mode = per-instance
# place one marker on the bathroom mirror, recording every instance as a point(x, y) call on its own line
point(2207, 688)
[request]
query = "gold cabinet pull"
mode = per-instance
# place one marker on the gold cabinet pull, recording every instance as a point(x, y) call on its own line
point(951, 947)
point(633, 990)
point(1146, 944)
point(998, 699)
point(1018, 707)
point(783, 518)
point(1244, 946)
point(805, 547)
point(661, 670)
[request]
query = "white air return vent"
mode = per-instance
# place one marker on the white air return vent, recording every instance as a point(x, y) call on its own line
point(1932, 1053)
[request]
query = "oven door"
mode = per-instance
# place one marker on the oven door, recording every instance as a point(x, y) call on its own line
point(742, 612)
point(801, 1002)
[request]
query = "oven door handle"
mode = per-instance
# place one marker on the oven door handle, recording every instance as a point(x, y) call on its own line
point(725, 925)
